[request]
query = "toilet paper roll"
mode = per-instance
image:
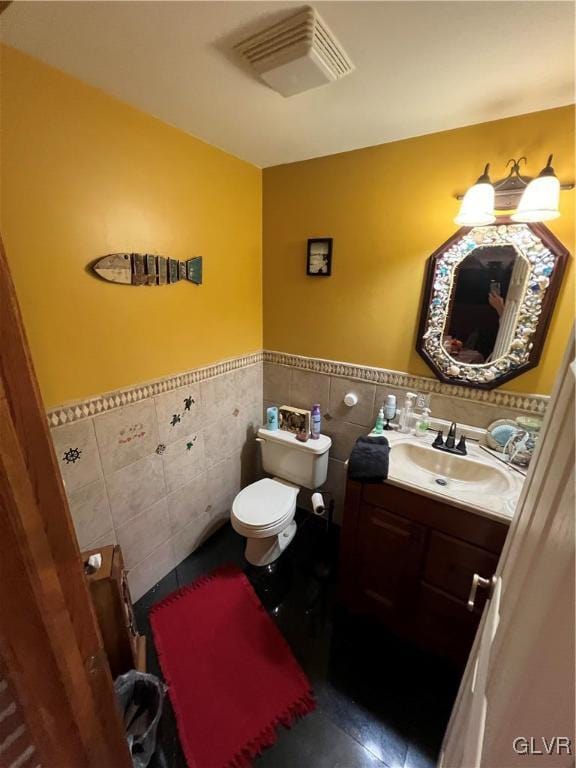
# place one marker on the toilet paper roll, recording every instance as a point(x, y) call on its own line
point(318, 504)
point(351, 399)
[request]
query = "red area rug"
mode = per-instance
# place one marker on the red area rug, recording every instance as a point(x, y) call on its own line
point(232, 677)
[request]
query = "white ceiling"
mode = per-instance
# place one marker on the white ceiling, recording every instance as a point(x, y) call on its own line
point(421, 67)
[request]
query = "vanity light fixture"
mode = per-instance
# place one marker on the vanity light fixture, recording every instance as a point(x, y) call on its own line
point(532, 200)
point(539, 201)
point(478, 203)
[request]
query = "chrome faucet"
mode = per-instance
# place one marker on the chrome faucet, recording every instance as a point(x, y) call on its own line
point(449, 446)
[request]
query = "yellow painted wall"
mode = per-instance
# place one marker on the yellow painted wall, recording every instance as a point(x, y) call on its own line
point(388, 207)
point(83, 175)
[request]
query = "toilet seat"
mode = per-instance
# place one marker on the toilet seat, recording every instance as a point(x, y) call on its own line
point(264, 508)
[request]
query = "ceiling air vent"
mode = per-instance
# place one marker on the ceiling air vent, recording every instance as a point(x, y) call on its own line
point(297, 54)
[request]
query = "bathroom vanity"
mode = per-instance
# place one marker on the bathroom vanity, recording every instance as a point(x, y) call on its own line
point(410, 546)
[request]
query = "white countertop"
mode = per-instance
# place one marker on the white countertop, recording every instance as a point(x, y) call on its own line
point(497, 501)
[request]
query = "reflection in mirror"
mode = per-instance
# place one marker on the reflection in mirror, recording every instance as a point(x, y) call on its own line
point(488, 286)
point(489, 295)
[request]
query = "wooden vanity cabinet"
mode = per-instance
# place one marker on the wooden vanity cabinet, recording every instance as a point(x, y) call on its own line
point(408, 560)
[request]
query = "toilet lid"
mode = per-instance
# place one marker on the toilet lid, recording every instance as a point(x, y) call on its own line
point(264, 503)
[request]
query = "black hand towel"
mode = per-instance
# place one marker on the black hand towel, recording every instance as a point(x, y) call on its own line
point(368, 461)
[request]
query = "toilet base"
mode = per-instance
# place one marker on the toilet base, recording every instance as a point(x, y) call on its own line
point(271, 583)
point(266, 550)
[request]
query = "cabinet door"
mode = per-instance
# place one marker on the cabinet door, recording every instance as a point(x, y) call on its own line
point(443, 624)
point(451, 564)
point(390, 551)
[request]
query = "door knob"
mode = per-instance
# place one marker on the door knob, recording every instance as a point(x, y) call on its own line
point(479, 581)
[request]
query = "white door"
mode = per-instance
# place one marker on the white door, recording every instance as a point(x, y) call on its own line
point(515, 706)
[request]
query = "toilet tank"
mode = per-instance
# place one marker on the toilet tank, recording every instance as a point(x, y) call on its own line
point(285, 457)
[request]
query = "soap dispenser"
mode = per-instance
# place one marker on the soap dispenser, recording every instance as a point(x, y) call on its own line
point(379, 426)
point(407, 413)
point(423, 423)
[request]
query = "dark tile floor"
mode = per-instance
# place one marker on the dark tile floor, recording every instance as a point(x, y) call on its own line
point(380, 702)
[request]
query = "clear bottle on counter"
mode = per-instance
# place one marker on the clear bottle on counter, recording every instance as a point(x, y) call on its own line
point(407, 413)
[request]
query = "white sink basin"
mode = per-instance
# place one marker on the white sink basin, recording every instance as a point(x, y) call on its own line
point(478, 482)
point(462, 470)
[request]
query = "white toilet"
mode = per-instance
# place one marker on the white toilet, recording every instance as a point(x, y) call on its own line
point(263, 512)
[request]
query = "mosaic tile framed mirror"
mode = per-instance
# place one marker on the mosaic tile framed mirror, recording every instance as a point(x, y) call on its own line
point(488, 299)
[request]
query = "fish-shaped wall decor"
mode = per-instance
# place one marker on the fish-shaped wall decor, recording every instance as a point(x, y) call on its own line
point(147, 269)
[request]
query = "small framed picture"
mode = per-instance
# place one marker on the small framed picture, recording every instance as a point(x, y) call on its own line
point(294, 419)
point(319, 258)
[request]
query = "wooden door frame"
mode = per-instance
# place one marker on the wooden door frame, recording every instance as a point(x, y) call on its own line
point(49, 636)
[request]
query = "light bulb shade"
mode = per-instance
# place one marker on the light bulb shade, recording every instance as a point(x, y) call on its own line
point(539, 201)
point(477, 208)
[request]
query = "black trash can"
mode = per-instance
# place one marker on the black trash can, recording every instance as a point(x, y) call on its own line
point(141, 696)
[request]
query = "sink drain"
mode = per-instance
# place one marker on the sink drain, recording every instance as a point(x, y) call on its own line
point(441, 481)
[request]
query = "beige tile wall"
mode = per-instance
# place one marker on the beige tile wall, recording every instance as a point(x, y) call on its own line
point(289, 385)
point(158, 476)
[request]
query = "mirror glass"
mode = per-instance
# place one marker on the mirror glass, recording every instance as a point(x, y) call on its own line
point(487, 302)
point(488, 285)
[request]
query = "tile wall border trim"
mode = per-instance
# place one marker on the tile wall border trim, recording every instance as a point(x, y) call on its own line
point(92, 406)
point(535, 404)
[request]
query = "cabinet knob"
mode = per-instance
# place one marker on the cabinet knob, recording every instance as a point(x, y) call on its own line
point(479, 581)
